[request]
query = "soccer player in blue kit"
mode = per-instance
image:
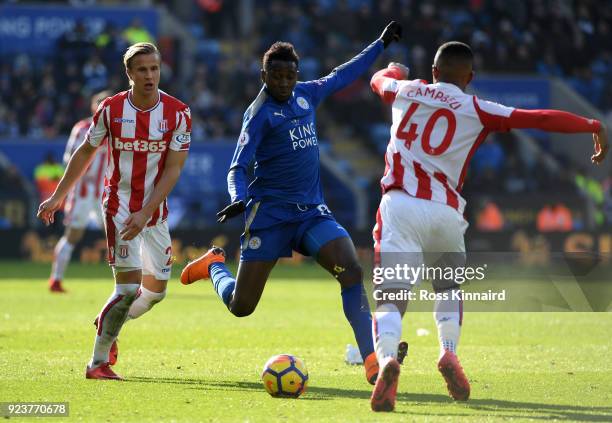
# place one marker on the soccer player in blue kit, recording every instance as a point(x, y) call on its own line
point(284, 206)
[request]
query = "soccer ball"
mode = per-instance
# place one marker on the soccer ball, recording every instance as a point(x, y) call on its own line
point(285, 376)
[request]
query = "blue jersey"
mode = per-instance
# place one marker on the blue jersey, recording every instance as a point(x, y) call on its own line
point(282, 138)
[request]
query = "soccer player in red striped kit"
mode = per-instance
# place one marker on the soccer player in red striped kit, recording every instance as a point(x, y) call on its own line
point(436, 129)
point(83, 201)
point(148, 139)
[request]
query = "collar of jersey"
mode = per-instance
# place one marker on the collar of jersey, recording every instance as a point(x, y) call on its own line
point(448, 85)
point(129, 98)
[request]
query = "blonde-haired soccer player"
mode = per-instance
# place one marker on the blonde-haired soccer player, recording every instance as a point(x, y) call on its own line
point(148, 139)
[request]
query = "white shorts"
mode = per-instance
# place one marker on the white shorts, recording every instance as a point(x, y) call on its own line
point(150, 250)
point(80, 209)
point(408, 228)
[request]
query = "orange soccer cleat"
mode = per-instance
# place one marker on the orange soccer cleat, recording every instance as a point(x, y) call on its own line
point(113, 354)
point(103, 371)
point(371, 368)
point(385, 390)
point(55, 285)
point(198, 269)
point(456, 381)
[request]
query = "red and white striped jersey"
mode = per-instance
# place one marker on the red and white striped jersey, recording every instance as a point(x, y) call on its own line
point(435, 131)
point(437, 128)
point(92, 180)
point(138, 143)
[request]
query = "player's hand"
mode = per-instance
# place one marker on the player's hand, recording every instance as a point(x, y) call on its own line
point(47, 209)
point(392, 32)
point(230, 211)
point(134, 224)
point(600, 139)
point(403, 68)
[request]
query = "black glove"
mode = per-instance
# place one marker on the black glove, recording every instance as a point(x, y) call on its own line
point(230, 211)
point(392, 32)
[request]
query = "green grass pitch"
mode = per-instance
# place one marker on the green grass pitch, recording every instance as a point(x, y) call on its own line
point(190, 360)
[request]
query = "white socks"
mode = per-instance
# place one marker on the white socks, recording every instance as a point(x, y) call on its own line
point(447, 314)
point(144, 302)
point(386, 331)
point(387, 328)
point(61, 258)
point(111, 319)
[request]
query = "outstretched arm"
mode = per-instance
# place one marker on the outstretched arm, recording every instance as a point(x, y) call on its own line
point(345, 74)
point(496, 117)
point(565, 122)
point(552, 121)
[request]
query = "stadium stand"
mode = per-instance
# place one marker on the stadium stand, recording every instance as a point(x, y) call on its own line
point(551, 38)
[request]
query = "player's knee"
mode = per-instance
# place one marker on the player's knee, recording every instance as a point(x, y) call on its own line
point(350, 275)
point(241, 309)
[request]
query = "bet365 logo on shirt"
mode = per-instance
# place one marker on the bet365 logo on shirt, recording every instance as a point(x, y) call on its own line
point(140, 145)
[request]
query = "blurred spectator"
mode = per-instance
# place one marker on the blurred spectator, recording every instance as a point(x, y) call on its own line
point(110, 44)
point(593, 190)
point(137, 33)
point(95, 75)
point(75, 45)
point(490, 218)
point(563, 39)
point(11, 181)
point(47, 176)
point(489, 156)
point(557, 218)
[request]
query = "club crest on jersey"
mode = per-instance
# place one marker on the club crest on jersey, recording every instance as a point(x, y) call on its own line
point(301, 101)
point(243, 139)
point(255, 243)
point(123, 251)
point(163, 125)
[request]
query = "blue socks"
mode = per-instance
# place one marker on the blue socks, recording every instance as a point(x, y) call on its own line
point(357, 312)
point(223, 281)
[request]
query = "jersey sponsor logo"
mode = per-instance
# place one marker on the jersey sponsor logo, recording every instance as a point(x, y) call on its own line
point(301, 101)
point(163, 125)
point(243, 139)
point(183, 138)
point(303, 136)
point(255, 243)
point(140, 145)
point(165, 270)
point(123, 120)
point(123, 251)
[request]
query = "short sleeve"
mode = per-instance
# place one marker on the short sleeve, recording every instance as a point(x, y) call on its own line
point(181, 137)
point(493, 116)
point(98, 130)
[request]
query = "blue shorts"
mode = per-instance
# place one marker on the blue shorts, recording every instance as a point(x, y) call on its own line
point(273, 230)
